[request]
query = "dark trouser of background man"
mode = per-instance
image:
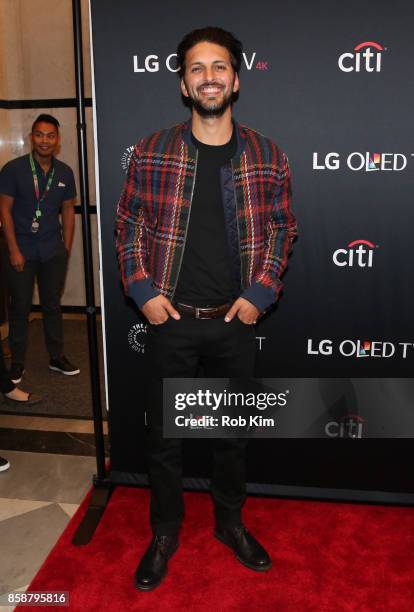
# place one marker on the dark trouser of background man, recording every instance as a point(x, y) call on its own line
point(50, 277)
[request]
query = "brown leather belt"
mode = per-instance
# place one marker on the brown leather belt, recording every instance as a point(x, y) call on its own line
point(207, 312)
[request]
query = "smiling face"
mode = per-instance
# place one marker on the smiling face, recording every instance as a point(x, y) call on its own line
point(209, 80)
point(45, 139)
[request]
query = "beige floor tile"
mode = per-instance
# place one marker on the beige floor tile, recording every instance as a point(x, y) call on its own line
point(70, 509)
point(22, 589)
point(13, 507)
point(26, 541)
point(46, 477)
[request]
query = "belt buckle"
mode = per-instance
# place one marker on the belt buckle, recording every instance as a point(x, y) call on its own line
point(199, 313)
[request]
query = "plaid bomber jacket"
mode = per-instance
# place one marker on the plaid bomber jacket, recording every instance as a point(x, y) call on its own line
point(154, 209)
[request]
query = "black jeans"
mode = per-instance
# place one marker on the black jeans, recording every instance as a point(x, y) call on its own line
point(50, 276)
point(176, 349)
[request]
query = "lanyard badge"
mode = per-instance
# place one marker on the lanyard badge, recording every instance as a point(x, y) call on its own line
point(39, 199)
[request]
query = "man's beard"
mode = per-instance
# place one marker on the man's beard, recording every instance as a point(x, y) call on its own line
point(212, 110)
point(215, 110)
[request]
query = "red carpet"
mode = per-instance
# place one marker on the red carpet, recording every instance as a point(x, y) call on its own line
point(326, 557)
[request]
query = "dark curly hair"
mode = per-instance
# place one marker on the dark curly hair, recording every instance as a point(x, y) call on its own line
point(214, 35)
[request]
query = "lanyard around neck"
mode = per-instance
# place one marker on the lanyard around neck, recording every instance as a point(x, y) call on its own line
point(39, 200)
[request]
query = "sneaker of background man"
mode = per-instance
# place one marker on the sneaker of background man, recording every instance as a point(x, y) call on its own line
point(64, 366)
point(16, 372)
point(4, 464)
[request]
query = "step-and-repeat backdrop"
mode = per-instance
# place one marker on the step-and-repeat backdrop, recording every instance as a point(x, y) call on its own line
point(331, 84)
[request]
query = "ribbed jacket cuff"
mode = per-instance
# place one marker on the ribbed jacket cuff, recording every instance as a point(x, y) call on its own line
point(262, 297)
point(142, 291)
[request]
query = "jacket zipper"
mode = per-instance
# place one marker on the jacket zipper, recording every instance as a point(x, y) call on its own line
point(237, 222)
point(186, 229)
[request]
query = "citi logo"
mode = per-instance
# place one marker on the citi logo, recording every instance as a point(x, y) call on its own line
point(367, 57)
point(152, 63)
point(368, 162)
point(349, 426)
point(359, 253)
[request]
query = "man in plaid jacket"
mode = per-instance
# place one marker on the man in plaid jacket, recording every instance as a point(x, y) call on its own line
point(204, 233)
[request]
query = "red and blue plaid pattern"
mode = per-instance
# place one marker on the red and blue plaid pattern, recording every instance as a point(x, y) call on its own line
point(153, 213)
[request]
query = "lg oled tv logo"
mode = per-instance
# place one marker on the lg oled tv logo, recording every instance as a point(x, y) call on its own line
point(367, 162)
point(153, 62)
point(378, 349)
point(367, 57)
point(359, 253)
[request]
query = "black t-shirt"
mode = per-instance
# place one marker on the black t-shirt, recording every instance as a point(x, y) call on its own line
point(205, 277)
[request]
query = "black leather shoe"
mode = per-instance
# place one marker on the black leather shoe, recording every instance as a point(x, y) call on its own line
point(153, 566)
point(246, 548)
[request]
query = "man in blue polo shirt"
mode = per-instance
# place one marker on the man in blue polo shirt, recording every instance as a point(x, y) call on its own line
point(34, 190)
